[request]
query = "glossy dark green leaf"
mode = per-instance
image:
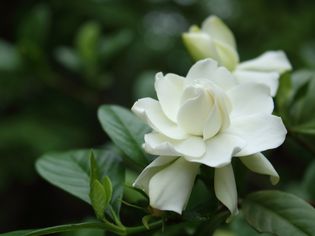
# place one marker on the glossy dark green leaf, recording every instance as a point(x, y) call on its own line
point(108, 187)
point(99, 198)
point(17, 233)
point(10, 59)
point(284, 92)
point(240, 227)
point(306, 128)
point(88, 41)
point(58, 229)
point(309, 180)
point(34, 29)
point(279, 213)
point(70, 171)
point(113, 44)
point(302, 100)
point(126, 131)
point(94, 172)
point(68, 58)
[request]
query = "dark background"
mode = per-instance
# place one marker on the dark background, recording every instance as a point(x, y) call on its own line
point(60, 60)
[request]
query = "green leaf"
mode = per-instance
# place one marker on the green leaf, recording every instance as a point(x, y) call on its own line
point(10, 59)
point(302, 100)
point(35, 27)
point(70, 171)
point(306, 128)
point(107, 185)
point(308, 108)
point(65, 228)
point(94, 174)
point(17, 233)
point(68, 58)
point(99, 198)
point(115, 43)
point(309, 180)
point(85, 232)
point(279, 213)
point(87, 42)
point(240, 227)
point(126, 131)
point(144, 85)
point(284, 93)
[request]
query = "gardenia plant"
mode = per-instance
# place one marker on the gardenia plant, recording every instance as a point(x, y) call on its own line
point(215, 40)
point(220, 110)
point(207, 118)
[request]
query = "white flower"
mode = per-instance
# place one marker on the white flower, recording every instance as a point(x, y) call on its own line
point(215, 40)
point(205, 118)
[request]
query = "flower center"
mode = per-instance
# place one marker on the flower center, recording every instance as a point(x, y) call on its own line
point(204, 109)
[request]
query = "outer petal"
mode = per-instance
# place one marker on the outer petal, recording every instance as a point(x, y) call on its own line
point(225, 187)
point(151, 112)
point(272, 61)
point(250, 98)
point(260, 131)
point(200, 45)
point(170, 188)
point(203, 69)
point(220, 149)
point(228, 55)
point(158, 164)
point(270, 79)
point(208, 69)
point(260, 164)
point(215, 27)
point(158, 144)
point(169, 89)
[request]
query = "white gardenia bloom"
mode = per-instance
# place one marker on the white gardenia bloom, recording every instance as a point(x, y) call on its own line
point(206, 118)
point(215, 40)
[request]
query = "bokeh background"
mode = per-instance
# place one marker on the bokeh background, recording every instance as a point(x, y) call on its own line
point(60, 60)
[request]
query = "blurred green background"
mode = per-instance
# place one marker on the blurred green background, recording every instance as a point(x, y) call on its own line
point(60, 60)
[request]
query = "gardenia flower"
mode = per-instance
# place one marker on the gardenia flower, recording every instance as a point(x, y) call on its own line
point(205, 118)
point(215, 40)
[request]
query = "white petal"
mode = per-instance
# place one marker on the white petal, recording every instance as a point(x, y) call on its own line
point(225, 187)
point(208, 69)
point(223, 78)
point(158, 144)
point(151, 112)
point(228, 55)
point(261, 132)
point(142, 181)
point(213, 123)
point(203, 69)
point(220, 150)
point(260, 164)
point(250, 98)
point(200, 45)
point(169, 89)
point(194, 111)
point(215, 27)
point(170, 188)
point(270, 79)
point(272, 61)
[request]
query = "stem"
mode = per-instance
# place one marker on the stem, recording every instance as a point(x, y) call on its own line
point(72, 227)
point(141, 228)
point(115, 217)
point(134, 206)
point(120, 230)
